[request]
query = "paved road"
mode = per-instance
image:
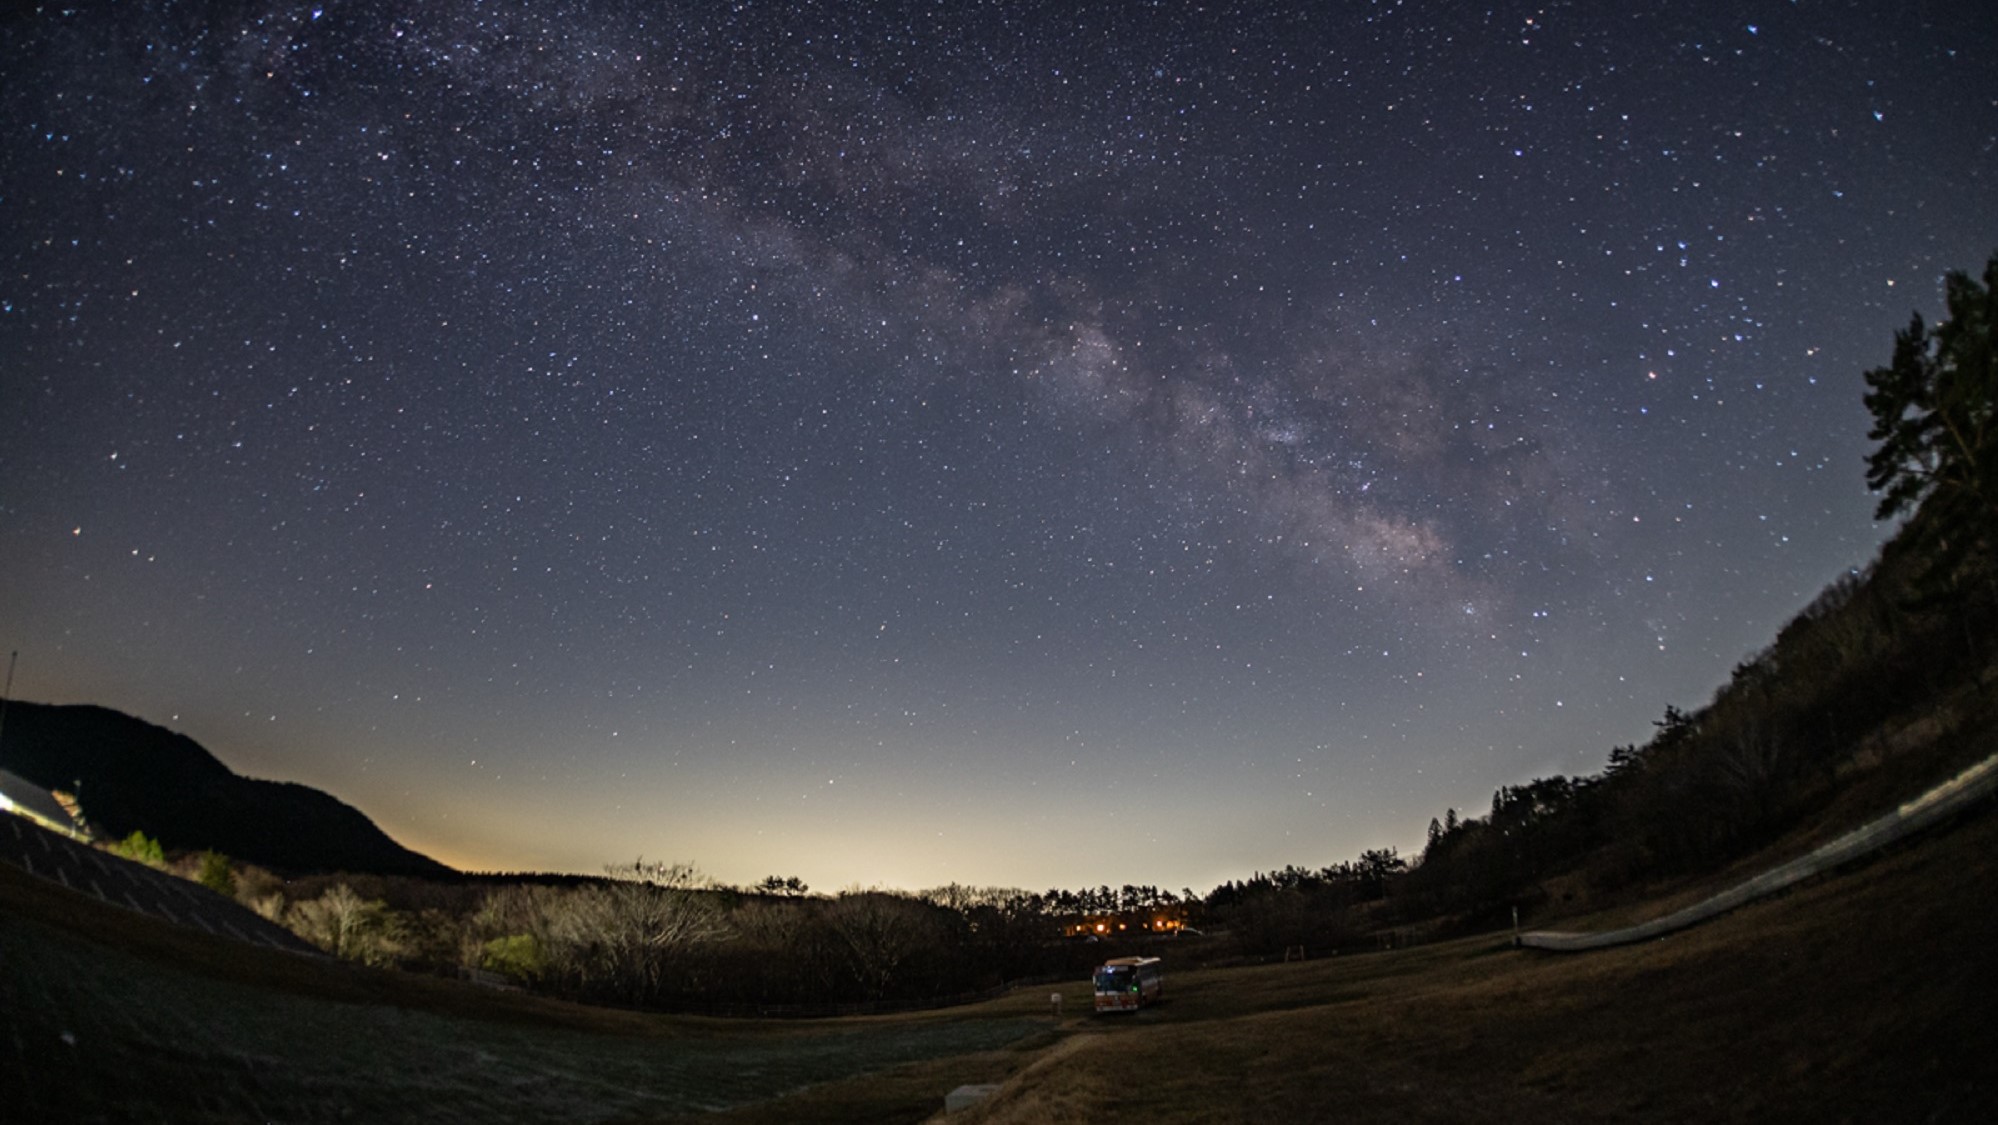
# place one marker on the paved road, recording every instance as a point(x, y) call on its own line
point(135, 886)
point(1965, 790)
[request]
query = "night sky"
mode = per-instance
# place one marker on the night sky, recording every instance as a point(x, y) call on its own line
point(975, 442)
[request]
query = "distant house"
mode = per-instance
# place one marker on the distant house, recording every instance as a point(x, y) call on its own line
point(22, 797)
point(1129, 923)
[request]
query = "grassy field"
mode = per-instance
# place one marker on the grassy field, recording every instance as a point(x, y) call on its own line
point(110, 1016)
point(1868, 997)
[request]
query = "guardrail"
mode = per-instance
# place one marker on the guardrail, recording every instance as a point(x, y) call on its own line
point(1938, 804)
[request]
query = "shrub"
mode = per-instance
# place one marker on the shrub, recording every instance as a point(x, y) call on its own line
point(141, 848)
point(519, 956)
point(216, 875)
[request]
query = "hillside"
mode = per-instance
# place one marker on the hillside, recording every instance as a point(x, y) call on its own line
point(133, 776)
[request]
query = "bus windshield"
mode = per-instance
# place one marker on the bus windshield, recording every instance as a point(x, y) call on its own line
point(1112, 978)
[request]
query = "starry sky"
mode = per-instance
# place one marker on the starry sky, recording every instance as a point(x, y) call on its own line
point(908, 443)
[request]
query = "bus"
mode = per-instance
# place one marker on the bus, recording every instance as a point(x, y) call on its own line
point(1125, 984)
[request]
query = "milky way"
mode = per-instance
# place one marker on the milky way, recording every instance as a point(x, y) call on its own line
point(987, 443)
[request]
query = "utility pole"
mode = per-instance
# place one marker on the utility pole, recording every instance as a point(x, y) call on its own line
point(7, 693)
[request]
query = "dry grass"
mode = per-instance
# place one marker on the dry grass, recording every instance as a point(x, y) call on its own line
point(1862, 998)
point(111, 1016)
point(1866, 997)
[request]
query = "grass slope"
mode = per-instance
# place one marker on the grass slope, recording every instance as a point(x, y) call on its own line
point(1864, 997)
point(110, 1016)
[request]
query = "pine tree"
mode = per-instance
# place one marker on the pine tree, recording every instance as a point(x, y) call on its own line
point(1935, 415)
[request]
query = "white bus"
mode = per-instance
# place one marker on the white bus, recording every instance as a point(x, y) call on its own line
point(1125, 984)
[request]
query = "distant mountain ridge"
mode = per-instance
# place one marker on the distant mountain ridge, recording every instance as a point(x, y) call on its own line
point(130, 775)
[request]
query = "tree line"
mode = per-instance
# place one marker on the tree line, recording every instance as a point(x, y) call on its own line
point(655, 935)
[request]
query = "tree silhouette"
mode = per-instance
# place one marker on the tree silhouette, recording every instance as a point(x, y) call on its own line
point(1935, 415)
point(787, 887)
point(1375, 867)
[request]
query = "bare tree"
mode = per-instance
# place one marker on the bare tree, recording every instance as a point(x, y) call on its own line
point(621, 936)
point(880, 933)
point(1749, 762)
point(344, 924)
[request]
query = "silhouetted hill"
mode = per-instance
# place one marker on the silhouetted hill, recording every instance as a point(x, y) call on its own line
point(133, 776)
